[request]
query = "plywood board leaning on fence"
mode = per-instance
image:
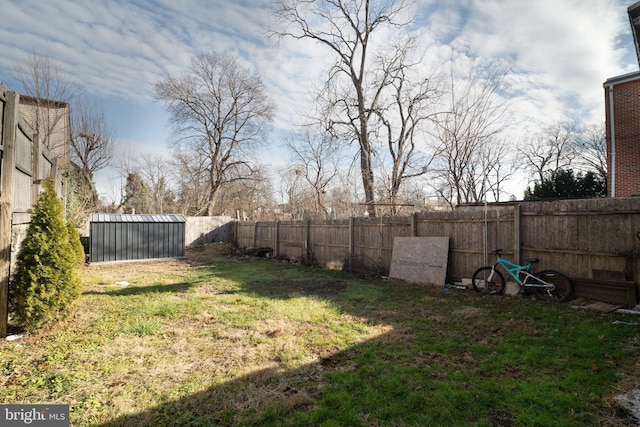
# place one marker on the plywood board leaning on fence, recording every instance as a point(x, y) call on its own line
point(420, 259)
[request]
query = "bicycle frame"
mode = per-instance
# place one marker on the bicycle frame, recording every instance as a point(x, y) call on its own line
point(515, 270)
point(546, 285)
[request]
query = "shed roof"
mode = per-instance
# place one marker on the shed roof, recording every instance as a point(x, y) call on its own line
point(103, 217)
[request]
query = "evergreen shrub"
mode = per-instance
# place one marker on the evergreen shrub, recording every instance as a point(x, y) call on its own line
point(45, 281)
point(76, 244)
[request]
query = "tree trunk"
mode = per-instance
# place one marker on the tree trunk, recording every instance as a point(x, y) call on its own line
point(367, 182)
point(88, 179)
point(213, 201)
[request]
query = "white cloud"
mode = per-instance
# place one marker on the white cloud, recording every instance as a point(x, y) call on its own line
point(561, 50)
point(566, 49)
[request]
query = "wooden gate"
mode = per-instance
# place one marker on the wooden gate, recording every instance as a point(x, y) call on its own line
point(24, 162)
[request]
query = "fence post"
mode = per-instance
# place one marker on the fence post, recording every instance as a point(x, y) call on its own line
point(255, 232)
point(233, 233)
point(414, 224)
point(517, 234)
point(7, 169)
point(307, 236)
point(60, 181)
point(36, 179)
point(351, 242)
point(276, 240)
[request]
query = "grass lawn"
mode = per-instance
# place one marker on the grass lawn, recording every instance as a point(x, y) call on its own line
point(220, 340)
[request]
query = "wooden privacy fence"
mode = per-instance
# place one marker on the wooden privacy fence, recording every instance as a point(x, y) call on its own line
point(207, 229)
point(24, 162)
point(583, 238)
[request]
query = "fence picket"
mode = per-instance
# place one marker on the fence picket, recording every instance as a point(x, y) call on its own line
point(573, 236)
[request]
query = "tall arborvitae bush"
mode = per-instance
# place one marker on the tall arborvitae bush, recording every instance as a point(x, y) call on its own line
point(45, 281)
point(76, 244)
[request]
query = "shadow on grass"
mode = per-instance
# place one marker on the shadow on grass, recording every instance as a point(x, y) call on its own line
point(340, 386)
point(142, 290)
point(266, 397)
point(439, 364)
point(359, 386)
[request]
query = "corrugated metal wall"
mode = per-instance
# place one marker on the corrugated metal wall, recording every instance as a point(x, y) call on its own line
point(131, 237)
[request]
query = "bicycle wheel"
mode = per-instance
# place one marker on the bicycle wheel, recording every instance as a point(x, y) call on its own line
point(481, 283)
point(563, 287)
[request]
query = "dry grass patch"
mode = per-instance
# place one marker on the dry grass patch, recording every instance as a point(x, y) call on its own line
point(218, 340)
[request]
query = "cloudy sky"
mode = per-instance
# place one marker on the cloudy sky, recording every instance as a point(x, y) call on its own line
point(561, 52)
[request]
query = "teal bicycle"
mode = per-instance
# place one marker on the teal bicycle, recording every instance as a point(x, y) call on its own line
point(548, 285)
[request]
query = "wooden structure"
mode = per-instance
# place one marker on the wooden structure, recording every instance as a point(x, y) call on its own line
point(595, 239)
point(25, 162)
point(200, 230)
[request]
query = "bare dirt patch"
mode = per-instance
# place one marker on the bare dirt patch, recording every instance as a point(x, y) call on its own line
point(133, 271)
point(203, 254)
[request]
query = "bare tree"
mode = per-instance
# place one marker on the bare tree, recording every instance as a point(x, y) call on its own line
point(401, 116)
point(475, 116)
point(79, 201)
point(294, 194)
point(92, 144)
point(153, 169)
point(303, 199)
point(592, 148)
point(552, 149)
point(409, 198)
point(50, 89)
point(501, 164)
point(153, 175)
point(347, 28)
point(219, 113)
point(191, 181)
point(316, 159)
point(344, 199)
point(249, 198)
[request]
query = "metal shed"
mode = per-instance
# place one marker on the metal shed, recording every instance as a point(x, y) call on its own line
point(131, 237)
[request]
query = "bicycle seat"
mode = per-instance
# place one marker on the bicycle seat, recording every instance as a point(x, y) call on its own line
point(533, 260)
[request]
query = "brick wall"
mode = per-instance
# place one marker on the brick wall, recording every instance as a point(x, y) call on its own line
point(626, 115)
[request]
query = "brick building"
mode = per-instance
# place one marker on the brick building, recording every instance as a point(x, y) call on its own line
point(622, 104)
point(622, 110)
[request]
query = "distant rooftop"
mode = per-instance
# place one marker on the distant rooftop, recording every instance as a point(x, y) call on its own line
point(624, 78)
point(31, 100)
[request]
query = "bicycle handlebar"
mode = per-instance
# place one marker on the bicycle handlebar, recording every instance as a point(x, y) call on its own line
point(530, 260)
